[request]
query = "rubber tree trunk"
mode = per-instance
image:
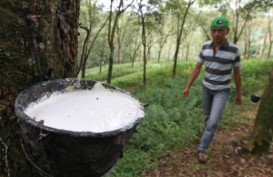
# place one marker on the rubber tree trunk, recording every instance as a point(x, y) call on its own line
point(179, 36)
point(38, 41)
point(263, 128)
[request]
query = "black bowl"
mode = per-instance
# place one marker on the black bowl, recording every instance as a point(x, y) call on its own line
point(254, 98)
point(63, 153)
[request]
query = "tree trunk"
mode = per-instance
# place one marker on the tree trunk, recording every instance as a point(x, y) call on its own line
point(170, 50)
point(187, 51)
point(88, 43)
point(111, 35)
point(144, 47)
point(269, 49)
point(236, 23)
point(263, 128)
point(159, 53)
point(149, 48)
point(178, 40)
point(246, 43)
point(102, 54)
point(264, 45)
point(119, 41)
point(270, 41)
point(38, 41)
point(238, 32)
point(249, 51)
point(134, 54)
point(88, 30)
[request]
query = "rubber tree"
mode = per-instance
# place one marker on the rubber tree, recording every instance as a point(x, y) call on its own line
point(147, 13)
point(181, 10)
point(122, 33)
point(92, 32)
point(247, 41)
point(163, 34)
point(38, 42)
point(267, 40)
point(143, 39)
point(263, 128)
point(112, 26)
point(245, 11)
point(270, 38)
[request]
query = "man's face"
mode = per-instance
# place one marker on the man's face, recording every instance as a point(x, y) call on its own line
point(219, 34)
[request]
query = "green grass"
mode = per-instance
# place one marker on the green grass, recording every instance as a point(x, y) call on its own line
point(121, 70)
point(171, 121)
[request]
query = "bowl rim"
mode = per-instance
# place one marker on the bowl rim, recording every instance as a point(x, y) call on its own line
point(23, 117)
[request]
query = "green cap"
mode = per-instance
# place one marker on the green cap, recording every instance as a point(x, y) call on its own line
point(221, 22)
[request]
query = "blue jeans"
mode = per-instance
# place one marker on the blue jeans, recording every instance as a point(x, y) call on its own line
point(214, 102)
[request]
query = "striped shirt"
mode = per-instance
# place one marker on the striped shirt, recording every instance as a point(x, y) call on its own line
point(219, 64)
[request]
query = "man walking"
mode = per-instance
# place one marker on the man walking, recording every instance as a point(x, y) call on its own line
point(219, 56)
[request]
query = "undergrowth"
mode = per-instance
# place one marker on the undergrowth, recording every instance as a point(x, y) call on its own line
point(172, 121)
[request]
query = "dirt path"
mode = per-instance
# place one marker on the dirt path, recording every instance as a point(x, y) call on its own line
point(225, 156)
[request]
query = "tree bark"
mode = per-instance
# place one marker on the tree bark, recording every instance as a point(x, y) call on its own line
point(111, 33)
point(263, 128)
point(270, 40)
point(91, 37)
point(178, 40)
point(238, 32)
point(38, 41)
point(144, 43)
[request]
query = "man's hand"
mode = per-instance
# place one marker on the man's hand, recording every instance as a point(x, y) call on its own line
point(185, 92)
point(192, 78)
point(238, 99)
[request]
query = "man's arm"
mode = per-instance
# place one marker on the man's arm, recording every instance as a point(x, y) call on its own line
point(192, 78)
point(237, 78)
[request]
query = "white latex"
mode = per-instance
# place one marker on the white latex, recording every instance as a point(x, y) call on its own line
point(96, 110)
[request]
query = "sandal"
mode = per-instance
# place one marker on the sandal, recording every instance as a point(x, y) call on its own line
point(202, 157)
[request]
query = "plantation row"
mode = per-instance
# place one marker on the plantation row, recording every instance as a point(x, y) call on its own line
point(170, 121)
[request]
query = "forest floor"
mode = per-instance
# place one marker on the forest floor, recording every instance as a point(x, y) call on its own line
point(226, 158)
